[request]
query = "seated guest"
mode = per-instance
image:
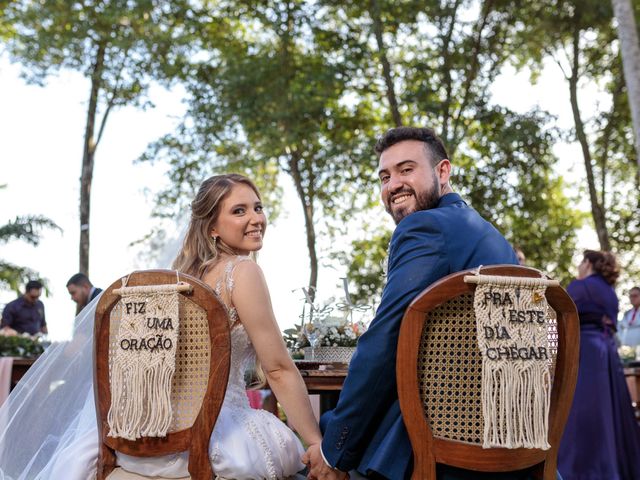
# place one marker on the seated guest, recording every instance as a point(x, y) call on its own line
point(629, 331)
point(26, 313)
point(82, 290)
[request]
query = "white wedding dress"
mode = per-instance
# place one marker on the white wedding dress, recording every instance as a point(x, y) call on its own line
point(48, 425)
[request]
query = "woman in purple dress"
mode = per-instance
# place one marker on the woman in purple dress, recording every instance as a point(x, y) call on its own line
point(601, 439)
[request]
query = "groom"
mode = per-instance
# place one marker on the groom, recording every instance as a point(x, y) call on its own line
point(437, 234)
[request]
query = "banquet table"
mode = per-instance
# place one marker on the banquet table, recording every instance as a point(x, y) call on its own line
point(632, 375)
point(20, 367)
point(326, 383)
point(12, 369)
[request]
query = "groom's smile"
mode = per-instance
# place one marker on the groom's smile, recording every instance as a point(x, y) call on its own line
point(409, 181)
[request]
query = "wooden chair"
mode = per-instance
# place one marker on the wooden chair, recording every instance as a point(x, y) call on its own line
point(439, 379)
point(199, 382)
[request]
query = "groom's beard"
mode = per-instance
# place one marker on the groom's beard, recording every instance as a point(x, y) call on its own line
point(424, 200)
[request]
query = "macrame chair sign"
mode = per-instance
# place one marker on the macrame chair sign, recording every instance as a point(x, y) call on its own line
point(486, 368)
point(162, 352)
point(145, 360)
point(513, 338)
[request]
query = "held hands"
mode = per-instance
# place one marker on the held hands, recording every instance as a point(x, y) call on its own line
point(318, 469)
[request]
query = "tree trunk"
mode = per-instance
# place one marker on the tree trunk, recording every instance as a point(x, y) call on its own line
point(386, 66)
point(293, 155)
point(459, 123)
point(88, 156)
point(307, 207)
point(630, 49)
point(597, 210)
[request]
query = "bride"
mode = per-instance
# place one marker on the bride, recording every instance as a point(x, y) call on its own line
point(48, 424)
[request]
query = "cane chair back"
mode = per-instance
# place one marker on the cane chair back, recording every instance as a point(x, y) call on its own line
point(439, 371)
point(199, 382)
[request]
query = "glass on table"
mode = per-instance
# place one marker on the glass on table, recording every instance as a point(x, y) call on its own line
point(312, 332)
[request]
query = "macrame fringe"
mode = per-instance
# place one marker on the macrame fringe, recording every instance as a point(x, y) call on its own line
point(515, 406)
point(141, 400)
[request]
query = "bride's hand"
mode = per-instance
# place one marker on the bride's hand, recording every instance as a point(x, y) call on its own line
point(318, 468)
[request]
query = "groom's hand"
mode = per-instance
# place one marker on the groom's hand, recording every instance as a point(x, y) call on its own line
point(318, 469)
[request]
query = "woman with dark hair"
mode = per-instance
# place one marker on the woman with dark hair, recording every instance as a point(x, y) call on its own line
point(601, 439)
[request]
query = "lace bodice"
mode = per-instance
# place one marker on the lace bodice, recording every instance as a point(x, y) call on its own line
point(243, 355)
point(269, 442)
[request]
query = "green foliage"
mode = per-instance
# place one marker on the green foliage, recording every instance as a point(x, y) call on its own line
point(296, 88)
point(295, 92)
point(294, 341)
point(14, 277)
point(6, 29)
point(137, 37)
point(26, 228)
point(366, 265)
point(120, 45)
point(291, 337)
point(19, 346)
point(266, 102)
point(506, 172)
point(617, 171)
point(444, 58)
point(580, 37)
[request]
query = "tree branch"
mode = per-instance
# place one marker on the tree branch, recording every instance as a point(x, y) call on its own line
point(471, 72)
point(386, 66)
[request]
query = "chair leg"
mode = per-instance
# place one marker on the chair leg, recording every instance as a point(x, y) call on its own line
point(106, 462)
point(199, 463)
point(549, 468)
point(424, 467)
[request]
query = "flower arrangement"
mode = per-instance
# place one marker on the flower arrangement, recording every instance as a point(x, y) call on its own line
point(335, 332)
point(332, 332)
point(292, 339)
point(328, 330)
point(627, 353)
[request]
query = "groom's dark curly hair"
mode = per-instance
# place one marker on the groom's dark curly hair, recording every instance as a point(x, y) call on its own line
point(433, 144)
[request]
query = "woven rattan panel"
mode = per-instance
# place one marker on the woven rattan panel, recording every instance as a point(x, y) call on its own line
point(450, 370)
point(192, 361)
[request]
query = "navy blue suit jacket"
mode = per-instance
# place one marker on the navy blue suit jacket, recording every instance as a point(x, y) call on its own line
point(365, 431)
point(95, 293)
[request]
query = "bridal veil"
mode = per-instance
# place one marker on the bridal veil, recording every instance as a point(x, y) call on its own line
point(51, 406)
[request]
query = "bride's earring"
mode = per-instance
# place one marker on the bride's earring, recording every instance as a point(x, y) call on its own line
point(215, 241)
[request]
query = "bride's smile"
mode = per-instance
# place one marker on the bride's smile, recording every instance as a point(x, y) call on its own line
point(241, 222)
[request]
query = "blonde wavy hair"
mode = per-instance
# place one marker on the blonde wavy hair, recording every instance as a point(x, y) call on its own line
point(199, 250)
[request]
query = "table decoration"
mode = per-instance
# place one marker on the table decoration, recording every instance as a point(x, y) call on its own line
point(348, 307)
point(627, 353)
point(324, 337)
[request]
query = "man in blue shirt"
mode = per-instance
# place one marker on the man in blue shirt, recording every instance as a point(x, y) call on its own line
point(437, 234)
point(629, 326)
point(26, 313)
